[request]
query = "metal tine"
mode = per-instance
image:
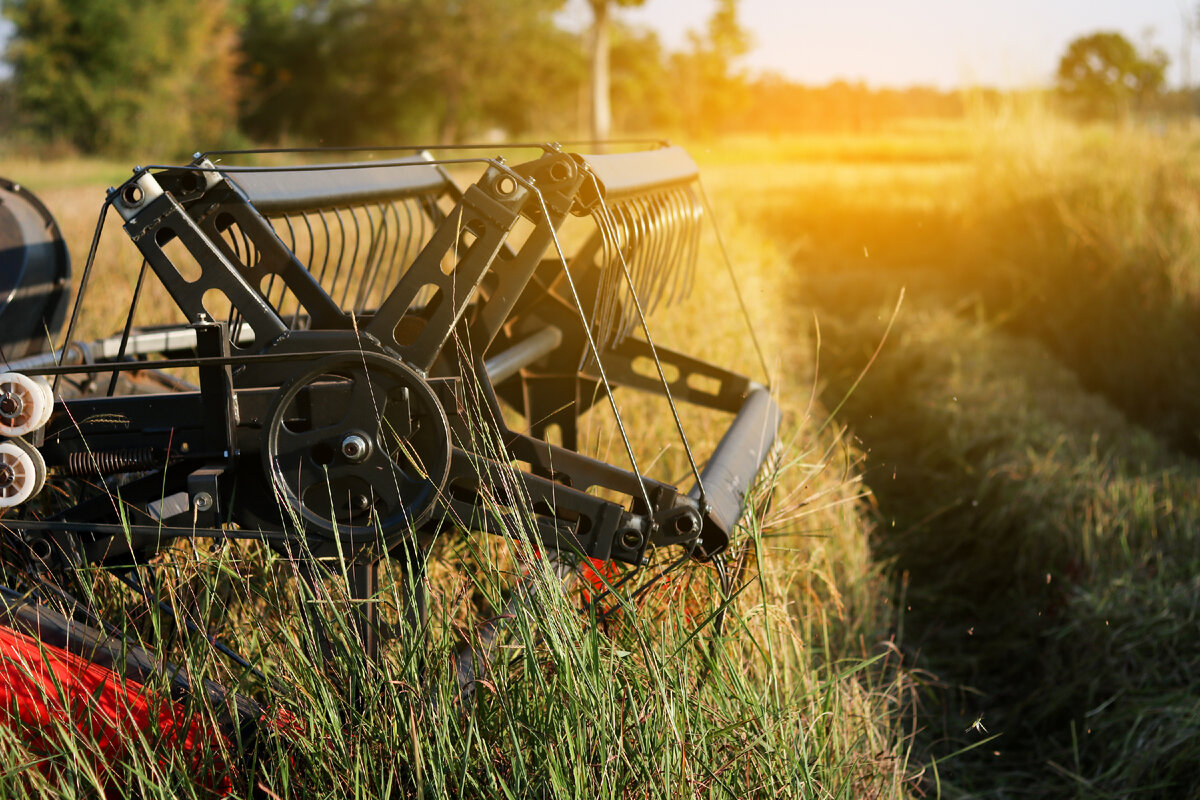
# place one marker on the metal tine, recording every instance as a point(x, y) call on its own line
point(639, 313)
point(653, 268)
point(391, 235)
point(403, 231)
point(389, 259)
point(386, 234)
point(637, 220)
point(324, 217)
point(633, 247)
point(681, 268)
point(401, 259)
point(616, 288)
point(354, 276)
point(346, 248)
point(608, 289)
point(606, 301)
point(341, 250)
point(655, 250)
point(684, 225)
point(363, 274)
point(353, 258)
point(308, 262)
point(672, 223)
point(601, 259)
point(680, 225)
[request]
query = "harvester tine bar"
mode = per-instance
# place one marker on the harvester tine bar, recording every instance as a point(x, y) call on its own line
point(595, 351)
point(687, 447)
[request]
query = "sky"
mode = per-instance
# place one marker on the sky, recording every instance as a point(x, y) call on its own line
point(943, 43)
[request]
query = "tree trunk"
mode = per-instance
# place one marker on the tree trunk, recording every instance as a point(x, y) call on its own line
point(601, 110)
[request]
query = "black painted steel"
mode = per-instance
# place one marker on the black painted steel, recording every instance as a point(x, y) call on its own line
point(35, 273)
point(352, 345)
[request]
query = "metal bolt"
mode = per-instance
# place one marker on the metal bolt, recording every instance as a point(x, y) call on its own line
point(203, 501)
point(10, 405)
point(7, 476)
point(355, 447)
point(361, 502)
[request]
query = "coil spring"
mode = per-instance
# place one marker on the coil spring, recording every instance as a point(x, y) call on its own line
point(110, 462)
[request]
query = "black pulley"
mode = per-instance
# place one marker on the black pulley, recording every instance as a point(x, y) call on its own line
point(35, 274)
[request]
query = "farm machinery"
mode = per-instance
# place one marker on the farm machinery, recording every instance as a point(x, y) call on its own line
point(364, 356)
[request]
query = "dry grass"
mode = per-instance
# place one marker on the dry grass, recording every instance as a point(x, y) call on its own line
point(803, 699)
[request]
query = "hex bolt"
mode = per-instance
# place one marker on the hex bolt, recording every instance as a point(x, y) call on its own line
point(7, 476)
point(203, 501)
point(355, 447)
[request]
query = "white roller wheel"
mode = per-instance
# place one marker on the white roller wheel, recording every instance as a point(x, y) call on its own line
point(49, 392)
point(39, 463)
point(20, 477)
point(25, 403)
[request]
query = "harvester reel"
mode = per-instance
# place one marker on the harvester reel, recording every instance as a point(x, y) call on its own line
point(363, 352)
point(357, 447)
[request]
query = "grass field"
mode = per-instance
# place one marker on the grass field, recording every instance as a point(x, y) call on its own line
point(978, 577)
point(798, 697)
point(1030, 430)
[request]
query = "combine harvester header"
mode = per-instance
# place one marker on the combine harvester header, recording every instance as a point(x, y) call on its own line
point(366, 355)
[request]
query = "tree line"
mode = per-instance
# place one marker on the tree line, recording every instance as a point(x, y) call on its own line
point(172, 76)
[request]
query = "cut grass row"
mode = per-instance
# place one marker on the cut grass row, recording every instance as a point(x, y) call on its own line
point(1047, 553)
point(1029, 428)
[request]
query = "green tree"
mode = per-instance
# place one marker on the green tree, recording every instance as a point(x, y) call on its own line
point(120, 76)
point(368, 72)
point(642, 95)
point(1104, 75)
point(711, 89)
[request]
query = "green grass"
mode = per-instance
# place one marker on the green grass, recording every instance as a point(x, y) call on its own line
point(1030, 431)
point(797, 697)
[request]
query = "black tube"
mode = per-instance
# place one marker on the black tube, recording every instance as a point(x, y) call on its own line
point(509, 362)
point(625, 174)
point(275, 192)
point(735, 463)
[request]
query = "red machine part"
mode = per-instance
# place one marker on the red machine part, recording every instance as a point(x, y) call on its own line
point(47, 692)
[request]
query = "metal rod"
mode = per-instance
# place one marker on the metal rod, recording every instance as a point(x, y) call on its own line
point(507, 363)
point(731, 470)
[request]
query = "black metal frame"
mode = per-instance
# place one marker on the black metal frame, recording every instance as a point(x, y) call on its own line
point(477, 318)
